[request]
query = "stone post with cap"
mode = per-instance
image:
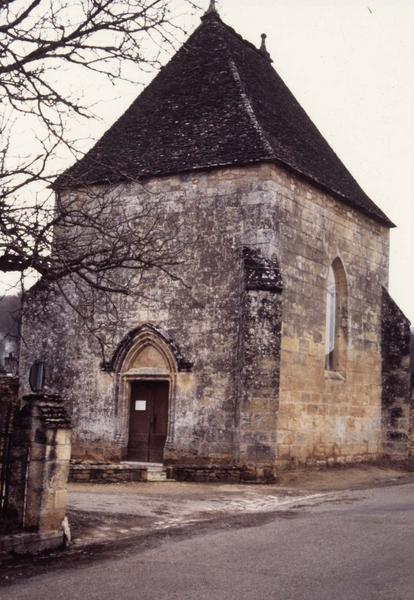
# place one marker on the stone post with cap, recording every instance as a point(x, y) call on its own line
point(40, 456)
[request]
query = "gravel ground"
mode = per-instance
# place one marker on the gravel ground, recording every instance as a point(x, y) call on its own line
point(346, 545)
point(106, 513)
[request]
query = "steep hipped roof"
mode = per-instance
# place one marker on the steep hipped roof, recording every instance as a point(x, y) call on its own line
point(218, 102)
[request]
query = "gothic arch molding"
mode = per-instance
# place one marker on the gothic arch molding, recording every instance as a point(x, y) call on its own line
point(145, 354)
point(134, 341)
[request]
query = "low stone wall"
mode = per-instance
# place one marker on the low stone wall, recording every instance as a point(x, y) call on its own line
point(9, 387)
point(29, 543)
point(118, 473)
point(209, 473)
point(108, 473)
point(224, 473)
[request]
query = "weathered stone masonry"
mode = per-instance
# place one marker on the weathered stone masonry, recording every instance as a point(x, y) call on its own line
point(259, 359)
point(329, 416)
point(272, 348)
point(228, 408)
point(38, 467)
point(396, 380)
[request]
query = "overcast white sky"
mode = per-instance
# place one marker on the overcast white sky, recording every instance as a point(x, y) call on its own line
point(350, 65)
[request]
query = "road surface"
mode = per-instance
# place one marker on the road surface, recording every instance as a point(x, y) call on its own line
point(358, 546)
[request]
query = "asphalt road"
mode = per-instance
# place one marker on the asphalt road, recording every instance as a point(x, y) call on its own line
point(357, 547)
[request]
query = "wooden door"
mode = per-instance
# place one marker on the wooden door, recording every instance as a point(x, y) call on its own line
point(148, 420)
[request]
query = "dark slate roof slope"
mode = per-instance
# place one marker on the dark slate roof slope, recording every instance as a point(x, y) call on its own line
point(218, 102)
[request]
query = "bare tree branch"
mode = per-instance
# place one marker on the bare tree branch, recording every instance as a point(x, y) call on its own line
point(90, 241)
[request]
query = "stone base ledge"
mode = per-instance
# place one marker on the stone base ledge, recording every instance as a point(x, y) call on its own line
point(124, 472)
point(340, 461)
point(205, 473)
point(224, 473)
point(273, 473)
point(106, 473)
point(30, 543)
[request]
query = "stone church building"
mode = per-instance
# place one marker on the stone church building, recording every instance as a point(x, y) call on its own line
point(284, 347)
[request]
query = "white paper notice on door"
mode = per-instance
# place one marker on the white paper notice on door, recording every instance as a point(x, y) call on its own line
point(141, 405)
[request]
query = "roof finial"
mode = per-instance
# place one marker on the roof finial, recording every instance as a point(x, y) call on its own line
point(263, 48)
point(211, 11)
point(212, 8)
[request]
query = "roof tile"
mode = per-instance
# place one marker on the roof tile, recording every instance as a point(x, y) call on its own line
point(218, 102)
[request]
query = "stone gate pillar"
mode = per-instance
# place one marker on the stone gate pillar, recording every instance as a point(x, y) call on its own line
point(40, 456)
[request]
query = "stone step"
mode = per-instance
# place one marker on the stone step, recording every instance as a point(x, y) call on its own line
point(143, 465)
point(156, 474)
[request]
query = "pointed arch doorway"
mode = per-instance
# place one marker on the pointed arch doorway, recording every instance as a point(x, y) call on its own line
point(149, 370)
point(146, 363)
point(148, 420)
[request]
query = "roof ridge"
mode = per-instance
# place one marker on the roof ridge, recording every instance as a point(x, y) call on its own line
point(248, 106)
point(218, 101)
point(248, 43)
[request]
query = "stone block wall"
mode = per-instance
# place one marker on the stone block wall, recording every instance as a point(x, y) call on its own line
point(9, 388)
point(9, 398)
point(396, 381)
point(326, 416)
point(261, 321)
point(258, 394)
point(202, 318)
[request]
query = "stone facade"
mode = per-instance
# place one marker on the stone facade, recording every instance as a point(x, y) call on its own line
point(242, 344)
point(265, 351)
point(396, 380)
